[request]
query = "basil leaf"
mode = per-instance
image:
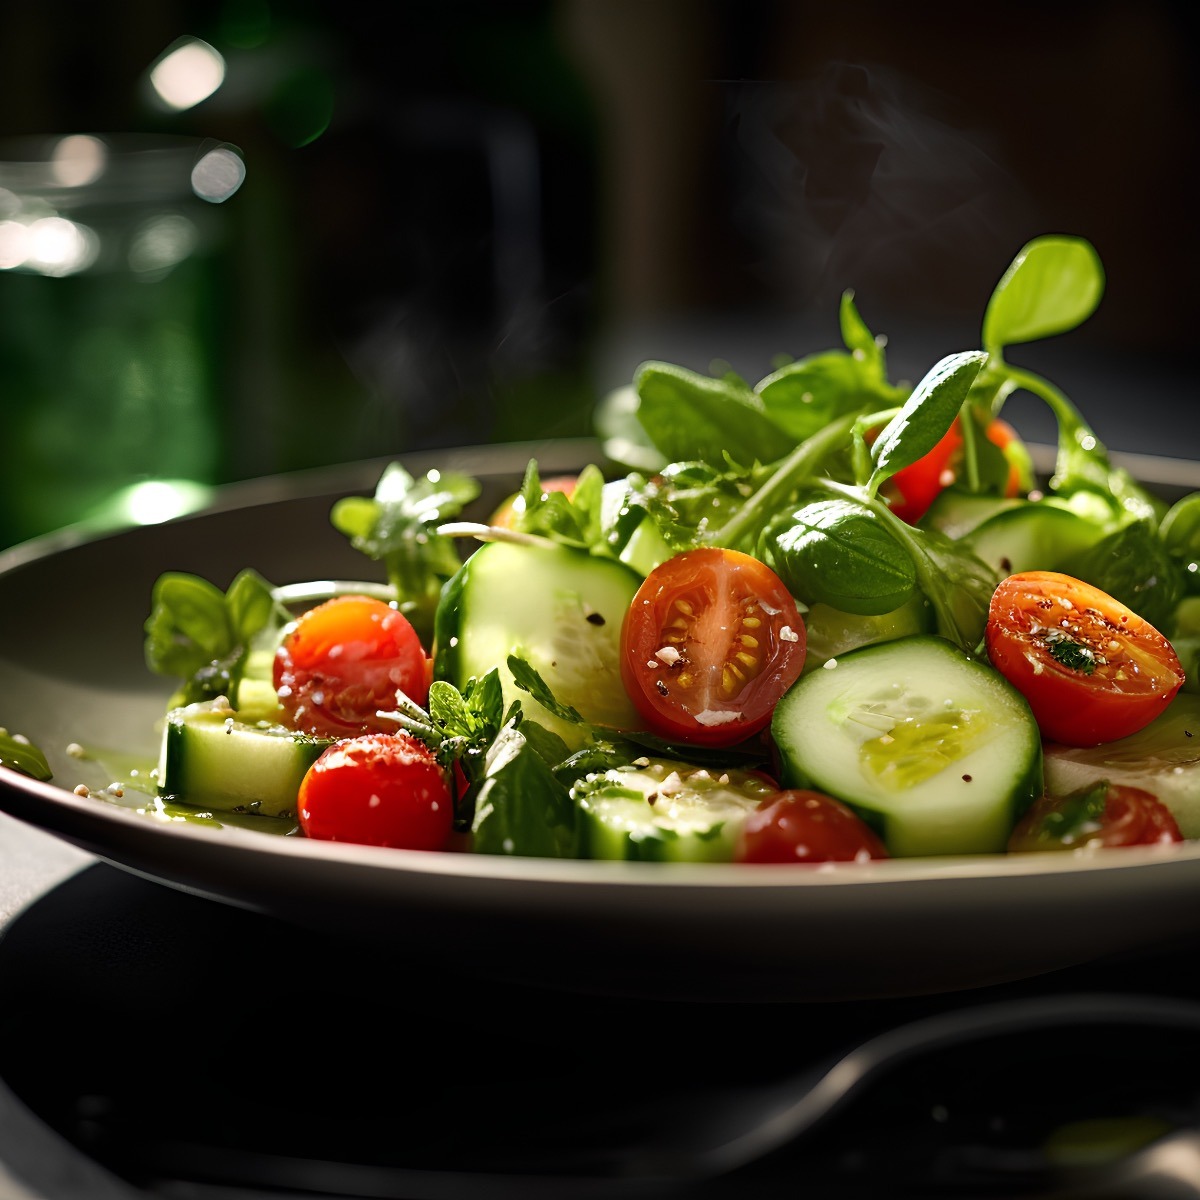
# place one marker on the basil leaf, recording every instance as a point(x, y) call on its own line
point(926, 415)
point(548, 745)
point(622, 436)
point(806, 395)
point(838, 553)
point(690, 416)
point(20, 754)
point(1053, 284)
point(521, 807)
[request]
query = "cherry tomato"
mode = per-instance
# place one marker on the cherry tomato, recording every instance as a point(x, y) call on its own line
point(1092, 670)
point(710, 643)
point(381, 789)
point(806, 827)
point(505, 516)
point(1101, 814)
point(343, 661)
point(913, 489)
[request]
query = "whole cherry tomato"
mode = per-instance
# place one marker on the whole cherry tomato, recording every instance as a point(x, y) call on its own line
point(800, 826)
point(710, 643)
point(1092, 670)
point(381, 789)
point(1101, 814)
point(913, 489)
point(343, 661)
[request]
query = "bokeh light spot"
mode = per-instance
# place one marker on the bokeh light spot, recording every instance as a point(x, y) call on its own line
point(188, 72)
point(218, 174)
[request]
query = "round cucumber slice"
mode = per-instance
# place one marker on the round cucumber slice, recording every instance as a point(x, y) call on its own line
point(935, 750)
point(559, 609)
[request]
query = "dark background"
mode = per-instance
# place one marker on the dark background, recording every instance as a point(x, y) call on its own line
point(467, 221)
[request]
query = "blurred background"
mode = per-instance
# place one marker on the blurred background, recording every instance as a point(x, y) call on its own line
point(242, 237)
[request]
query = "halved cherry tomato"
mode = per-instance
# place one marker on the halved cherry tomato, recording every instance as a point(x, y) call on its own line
point(1101, 814)
point(1092, 670)
point(800, 826)
point(505, 516)
point(343, 661)
point(710, 643)
point(913, 489)
point(382, 789)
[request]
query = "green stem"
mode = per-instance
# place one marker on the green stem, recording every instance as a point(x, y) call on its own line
point(1081, 456)
point(795, 467)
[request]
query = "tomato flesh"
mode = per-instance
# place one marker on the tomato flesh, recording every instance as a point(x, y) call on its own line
point(711, 642)
point(801, 826)
point(1102, 815)
point(914, 488)
point(381, 789)
point(344, 661)
point(1091, 669)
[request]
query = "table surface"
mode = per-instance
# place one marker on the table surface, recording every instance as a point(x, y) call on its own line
point(35, 1164)
point(83, 945)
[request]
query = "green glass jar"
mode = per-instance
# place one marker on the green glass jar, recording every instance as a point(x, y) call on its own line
point(113, 311)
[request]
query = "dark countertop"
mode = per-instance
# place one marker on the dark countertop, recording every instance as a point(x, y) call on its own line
point(200, 1052)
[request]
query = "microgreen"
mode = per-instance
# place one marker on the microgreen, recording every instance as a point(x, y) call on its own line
point(1073, 655)
point(398, 527)
point(202, 636)
point(574, 520)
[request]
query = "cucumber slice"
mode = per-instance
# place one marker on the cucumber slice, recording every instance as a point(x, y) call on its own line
point(1163, 759)
point(1033, 537)
point(935, 750)
point(956, 513)
point(661, 810)
point(559, 609)
point(211, 758)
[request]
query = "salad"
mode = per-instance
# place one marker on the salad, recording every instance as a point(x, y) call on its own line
point(824, 617)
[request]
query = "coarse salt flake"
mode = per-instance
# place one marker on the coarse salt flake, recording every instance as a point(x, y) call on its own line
point(668, 654)
point(710, 717)
point(788, 634)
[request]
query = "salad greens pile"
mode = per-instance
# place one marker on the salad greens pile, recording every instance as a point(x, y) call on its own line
point(803, 470)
